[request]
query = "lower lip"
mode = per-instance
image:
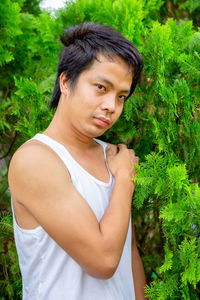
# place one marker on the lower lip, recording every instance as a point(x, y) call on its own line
point(101, 122)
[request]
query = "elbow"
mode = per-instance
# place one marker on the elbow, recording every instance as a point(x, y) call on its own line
point(105, 269)
point(103, 273)
point(111, 263)
point(108, 271)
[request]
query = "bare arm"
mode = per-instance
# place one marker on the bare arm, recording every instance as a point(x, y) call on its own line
point(40, 182)
point(137, 268)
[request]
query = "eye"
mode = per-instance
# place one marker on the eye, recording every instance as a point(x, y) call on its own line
point(101, 87)
point(122, 97)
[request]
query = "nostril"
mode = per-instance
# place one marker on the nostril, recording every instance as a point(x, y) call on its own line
point(108, 105)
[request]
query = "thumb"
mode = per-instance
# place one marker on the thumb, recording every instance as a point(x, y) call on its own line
point(137, 160)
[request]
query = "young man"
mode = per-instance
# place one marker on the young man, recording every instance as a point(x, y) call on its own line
point(72, 193)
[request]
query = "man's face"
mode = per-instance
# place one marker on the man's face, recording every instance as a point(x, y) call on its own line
point(97, 100)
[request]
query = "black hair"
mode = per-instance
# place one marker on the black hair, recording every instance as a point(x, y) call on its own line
point(83, 43)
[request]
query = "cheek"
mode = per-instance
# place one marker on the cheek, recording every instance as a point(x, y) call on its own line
point(119, 110)
point(86, 100)
point(116, 115)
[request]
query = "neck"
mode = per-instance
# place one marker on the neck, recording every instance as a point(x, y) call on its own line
point(62, 131)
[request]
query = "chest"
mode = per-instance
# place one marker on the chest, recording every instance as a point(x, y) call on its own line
point(94, 164)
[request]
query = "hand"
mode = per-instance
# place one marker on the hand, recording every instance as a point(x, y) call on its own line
point(121, 160)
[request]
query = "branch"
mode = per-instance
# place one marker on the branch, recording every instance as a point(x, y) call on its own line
point(11, 145)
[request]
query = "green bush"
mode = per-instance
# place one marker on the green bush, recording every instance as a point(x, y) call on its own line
point(160, 121)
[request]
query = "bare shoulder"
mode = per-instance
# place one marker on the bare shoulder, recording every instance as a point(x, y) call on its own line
point(32, 154)
point(33, 163)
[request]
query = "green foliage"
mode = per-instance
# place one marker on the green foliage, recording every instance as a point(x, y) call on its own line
point(31, 6)
point(160, 122)
point(191, 5)
point(35, 111)
point(9, 28)
point(11, 283)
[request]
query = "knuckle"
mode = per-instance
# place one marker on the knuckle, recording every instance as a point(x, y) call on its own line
point(132, 153)
point(122, 145)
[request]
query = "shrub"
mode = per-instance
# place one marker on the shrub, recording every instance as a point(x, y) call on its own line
point(160, 121)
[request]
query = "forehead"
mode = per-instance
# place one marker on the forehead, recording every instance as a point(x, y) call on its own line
point(115, 69)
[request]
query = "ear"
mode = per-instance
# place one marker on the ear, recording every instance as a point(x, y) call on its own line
point(64, 84)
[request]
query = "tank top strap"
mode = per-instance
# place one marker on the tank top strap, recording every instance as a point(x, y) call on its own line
point(66, 157)
point(59, 149)
point(104, 145)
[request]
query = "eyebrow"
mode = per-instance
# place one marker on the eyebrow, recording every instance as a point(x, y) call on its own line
point(103, 79)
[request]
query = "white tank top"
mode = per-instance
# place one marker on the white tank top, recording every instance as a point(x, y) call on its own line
point(48, 272)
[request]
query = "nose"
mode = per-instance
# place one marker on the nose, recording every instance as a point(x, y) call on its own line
point(108, 103)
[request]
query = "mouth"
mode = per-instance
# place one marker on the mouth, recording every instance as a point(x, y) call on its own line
point(102, 121)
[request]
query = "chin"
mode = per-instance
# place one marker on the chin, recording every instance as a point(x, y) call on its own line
point(95, 133)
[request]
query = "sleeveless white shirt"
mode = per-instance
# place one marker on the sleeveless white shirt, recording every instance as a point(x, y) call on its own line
point(48, 272)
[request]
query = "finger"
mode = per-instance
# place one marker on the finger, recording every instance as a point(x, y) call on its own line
point(137, 159)
point(121, 146)
point(132, 152)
